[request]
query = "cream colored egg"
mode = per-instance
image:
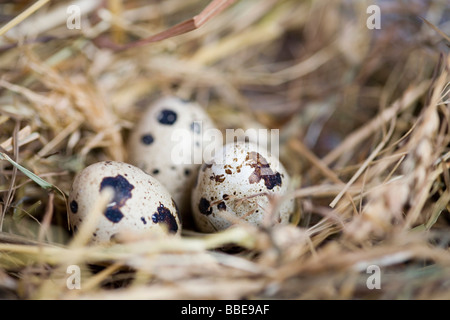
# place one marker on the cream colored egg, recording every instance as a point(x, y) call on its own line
point(238, 182)
point(168, 143)
point(139, 204)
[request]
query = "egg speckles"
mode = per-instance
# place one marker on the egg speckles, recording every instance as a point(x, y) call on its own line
point(122, 192)
point(139, 203)
point(167, 117)
point(238, 181)
point(147, 139)
point(262, 171)
point(154, 141)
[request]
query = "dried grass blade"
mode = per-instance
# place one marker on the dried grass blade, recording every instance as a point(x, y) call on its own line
point(408, 98)
point(435, 28)
point(364, 165)
point(24, 15)
point(214, 8)
point(87, 228)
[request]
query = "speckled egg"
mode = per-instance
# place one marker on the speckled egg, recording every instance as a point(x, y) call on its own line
point(140, 202)
point(168, 143)
point(238, 181)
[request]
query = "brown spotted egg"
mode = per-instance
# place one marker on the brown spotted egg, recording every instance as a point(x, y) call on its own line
point(139, 203)
point(239, 181)
point(168, 143)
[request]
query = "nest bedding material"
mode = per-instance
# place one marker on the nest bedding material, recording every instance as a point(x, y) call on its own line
point(364, 132)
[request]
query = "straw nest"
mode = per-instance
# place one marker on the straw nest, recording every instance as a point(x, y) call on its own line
point(364, 131)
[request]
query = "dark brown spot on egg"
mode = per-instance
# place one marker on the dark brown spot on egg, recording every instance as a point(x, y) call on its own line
point(204, 207)
point(122, 192)
point(74, 206)
point(218, 178)
point(163, 215)
point(262, 171)
point(147, 139)
point(222, 206)
point(167, 117)
point(272, 180)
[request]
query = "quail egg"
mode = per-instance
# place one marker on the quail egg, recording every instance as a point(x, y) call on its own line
point(168, 143)
point(239, 181)
point(140, 203)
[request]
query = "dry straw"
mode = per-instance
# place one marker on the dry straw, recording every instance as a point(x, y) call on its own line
point(364, 119)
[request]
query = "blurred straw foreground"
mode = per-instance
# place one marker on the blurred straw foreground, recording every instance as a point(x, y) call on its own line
point(364, 130)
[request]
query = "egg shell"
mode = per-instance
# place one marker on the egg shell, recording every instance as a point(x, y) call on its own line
point(155, 141)
point(140, 202)
point(236, 181)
